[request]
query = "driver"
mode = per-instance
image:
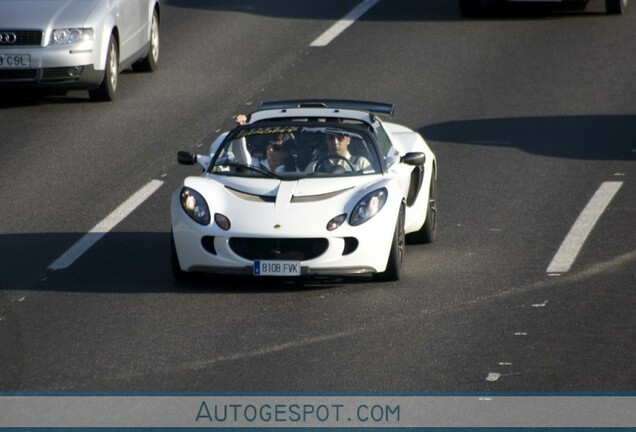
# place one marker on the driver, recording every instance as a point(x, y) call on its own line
point(338, 154)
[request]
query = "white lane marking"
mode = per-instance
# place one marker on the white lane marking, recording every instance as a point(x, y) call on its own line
point(493, 376)
point(102, 228)
point(571, 246)
point(343, 24)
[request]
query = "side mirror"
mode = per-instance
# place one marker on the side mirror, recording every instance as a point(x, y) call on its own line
point(414, 158)
point(186, 158)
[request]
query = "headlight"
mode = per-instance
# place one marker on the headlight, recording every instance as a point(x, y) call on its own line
point(71, 35)
point(195, 206)
point(368, 206)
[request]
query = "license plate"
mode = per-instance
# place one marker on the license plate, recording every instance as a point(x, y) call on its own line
point(276, 268)
point(15, 61)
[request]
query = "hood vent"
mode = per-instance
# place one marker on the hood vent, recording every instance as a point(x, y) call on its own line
point(252, 197)
point(320, 197)
point(295, 199)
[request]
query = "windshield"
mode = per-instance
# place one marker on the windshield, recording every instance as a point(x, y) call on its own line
point(297, 151)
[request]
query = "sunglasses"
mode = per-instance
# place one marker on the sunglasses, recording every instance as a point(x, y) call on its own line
point(276, 147)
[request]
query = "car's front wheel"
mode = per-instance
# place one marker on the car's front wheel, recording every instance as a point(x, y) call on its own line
point(616, 7)
point(396, 254)
point(107, 91)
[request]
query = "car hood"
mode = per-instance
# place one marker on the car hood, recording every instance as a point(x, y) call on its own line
point(43, 14)
point(262, 206)
point(305, 189)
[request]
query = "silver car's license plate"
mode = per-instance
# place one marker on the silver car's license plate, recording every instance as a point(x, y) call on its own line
point(276, 268)
point(15, 61)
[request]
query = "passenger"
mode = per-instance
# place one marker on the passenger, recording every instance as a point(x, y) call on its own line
point(280, 151)
point(279, 154)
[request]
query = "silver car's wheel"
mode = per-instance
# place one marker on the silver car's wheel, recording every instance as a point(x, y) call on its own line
point(107, 91)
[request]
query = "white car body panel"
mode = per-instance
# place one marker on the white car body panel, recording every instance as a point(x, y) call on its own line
point(406, 141)
point(301, 208)
point(249, 218)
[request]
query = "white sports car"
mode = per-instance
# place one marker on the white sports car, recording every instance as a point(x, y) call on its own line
point(306, 188)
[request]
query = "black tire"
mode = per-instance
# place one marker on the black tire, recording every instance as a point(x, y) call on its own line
point(616, 7)
point(150, 63)
point(177, 274)
point(396, 254)
point(428, 232)
point(107, 91)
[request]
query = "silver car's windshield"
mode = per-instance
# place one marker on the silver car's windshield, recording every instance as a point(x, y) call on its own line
point(296, 151)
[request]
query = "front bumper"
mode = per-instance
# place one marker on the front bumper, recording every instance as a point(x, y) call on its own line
point(346, 251)
point(70, 67)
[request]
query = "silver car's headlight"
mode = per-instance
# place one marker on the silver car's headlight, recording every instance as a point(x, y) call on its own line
point(195, 206)
point(72, 35)
point(368, 206)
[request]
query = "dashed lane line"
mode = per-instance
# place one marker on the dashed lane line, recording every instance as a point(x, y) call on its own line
point(571, 246)
point(340, 26)
point(120, 213)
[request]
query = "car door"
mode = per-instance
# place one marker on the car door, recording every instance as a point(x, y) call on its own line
point(145, 18)
point(128, 23)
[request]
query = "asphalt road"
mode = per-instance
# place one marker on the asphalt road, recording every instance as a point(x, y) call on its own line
point(530, 113)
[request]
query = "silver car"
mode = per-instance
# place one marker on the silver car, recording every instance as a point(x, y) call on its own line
point(76, 44)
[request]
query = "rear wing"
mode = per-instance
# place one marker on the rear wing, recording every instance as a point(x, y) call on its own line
point(371, 107)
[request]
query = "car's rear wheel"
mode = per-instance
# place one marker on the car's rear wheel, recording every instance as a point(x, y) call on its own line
point(150, 63)
point(428, 232)
point(616, 7)
point(107, 91)
point(396, 254)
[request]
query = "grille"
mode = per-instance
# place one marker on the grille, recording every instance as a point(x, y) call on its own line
point(25, 37)
point(18, 74)
point(296, 249)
